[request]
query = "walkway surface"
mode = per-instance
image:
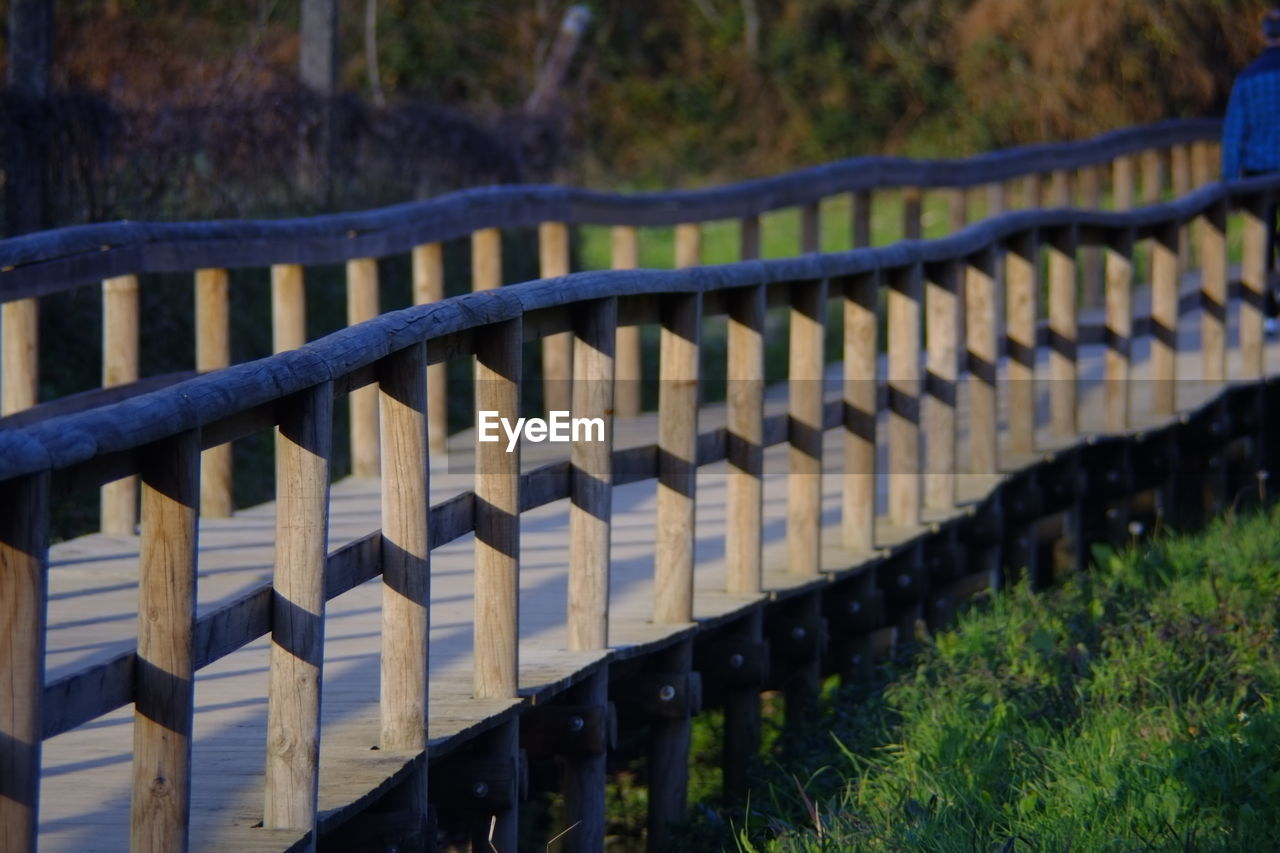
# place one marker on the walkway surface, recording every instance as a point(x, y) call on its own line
point(84, 798)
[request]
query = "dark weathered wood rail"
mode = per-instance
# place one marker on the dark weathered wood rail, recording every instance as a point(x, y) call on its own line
point(830, 600)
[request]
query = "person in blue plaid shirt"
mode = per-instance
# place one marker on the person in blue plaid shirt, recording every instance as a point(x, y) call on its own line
point(1251, 134)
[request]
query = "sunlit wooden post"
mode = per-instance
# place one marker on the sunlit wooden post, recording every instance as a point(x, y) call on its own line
point(1122, 179)
point(486, 259)
point(1180, 181)
point(1253, 289)
point(858, 510)
point(404, 411)
point(121, 341)
point(1032, 191)
point(1212, 225)
point(745, 487)
point(957, 209)
point(804, 427)
point(981, 342)
point(24, 560)
point(20, 355)
point(557, 349)
point(1164, 320)
point(362, 305)
point(303, 446)
point(288, 308)
point(1022, 290)
point(1119, 329)
point(428, 287)
point(1063, 333)
point(164, 679)
point(905, 292)
point(213, 351)
point(942, 292)
point(1059, 188)
point(1091, 256)
point(629, 372)
point(677, 457)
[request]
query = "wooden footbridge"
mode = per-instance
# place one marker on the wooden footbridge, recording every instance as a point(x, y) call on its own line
point(419, 645)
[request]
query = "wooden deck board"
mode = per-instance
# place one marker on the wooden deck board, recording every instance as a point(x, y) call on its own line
point(92, 616)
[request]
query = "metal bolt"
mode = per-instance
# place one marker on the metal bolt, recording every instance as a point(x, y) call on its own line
point(1024, 542)
point(855, 606)
point(576, 724)
point(1112, 514)
point(736, 661)
point(904, 581)
point(856, 660)
point(798, 633)
point(1113, 476)
point(480, 790)
point(666, 693)
point(941, 603)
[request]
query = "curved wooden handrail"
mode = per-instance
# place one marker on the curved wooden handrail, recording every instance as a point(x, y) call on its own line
point(49, 262)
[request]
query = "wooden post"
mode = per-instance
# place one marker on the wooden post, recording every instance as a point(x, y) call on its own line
point(1164, 320)
point(590, 514)
point(1063, 335)
point(288, 308)
point(585, 780)
point(745, 486)
point(911, 200)
point(428, 287)
point(303, 445)
point(557, 350)
point(1122, 183)
point(1119, 329)
point(120, 348)
point(860, 218)
point(982, 323)
point(591, 489)
point(1253, 289)
point(688, 251)
point(1180, 179)
point(19, 337)
point(677, 457)
point(1022, 283)
point(804, 428)
point(362, 305)
point(942, 292)
point(904, 396)
point(1202, 164)
point(858, 512)
point(1152, 176)
point(1212, 225)
point(497, 572)
point(213, 351)
point(810, 228)
point(1032, 191)
point(669, 757)
point(1060, 188)
point(24, 562)
point(486, 259)
point(1091, 256)
point(164, 678)
point(404, 412)
point(742, 719)
point(957, 210)
point(628, 372)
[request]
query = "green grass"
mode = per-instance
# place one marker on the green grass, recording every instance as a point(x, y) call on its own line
point(1132, 708)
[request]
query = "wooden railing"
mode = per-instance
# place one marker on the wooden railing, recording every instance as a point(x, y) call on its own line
point(933, 347)
point(1176, 155)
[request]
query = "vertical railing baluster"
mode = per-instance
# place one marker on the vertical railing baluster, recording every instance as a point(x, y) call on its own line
point(1164, 319)
point(213, 351)
point(1152, 176)
point(688, 246)
point(860, 202)
point(810, 228)
point(1032, 191)
point(486, 259)
point(745, 487)
point(858, 512)
point(557, 349)
point(362, 305)
point(628, 369)
point(1253, 289)
point(1122, 179)
point(24, 563)
point(677, 457)
point(1022, 289)
point(1180, 182)
point(288, 308)
point(981, 343)
point(428, 287)
point(404, 411)
point(303, 448)
point(590, 520)
point(1063, 344)
point(957, 209)
point(1212, 225)
point(1060, 188)
point(905, 291)
point(804, 427)
point(19, 355)
point(911, 205)
point(164, 677)
point(942, 316)
point(121, 342)
point(1119, 324)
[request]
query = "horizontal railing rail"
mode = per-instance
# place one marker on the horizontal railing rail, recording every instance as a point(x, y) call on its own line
point(933, 346)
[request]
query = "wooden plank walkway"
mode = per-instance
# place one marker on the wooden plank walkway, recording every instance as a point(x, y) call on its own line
point(84, 796)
